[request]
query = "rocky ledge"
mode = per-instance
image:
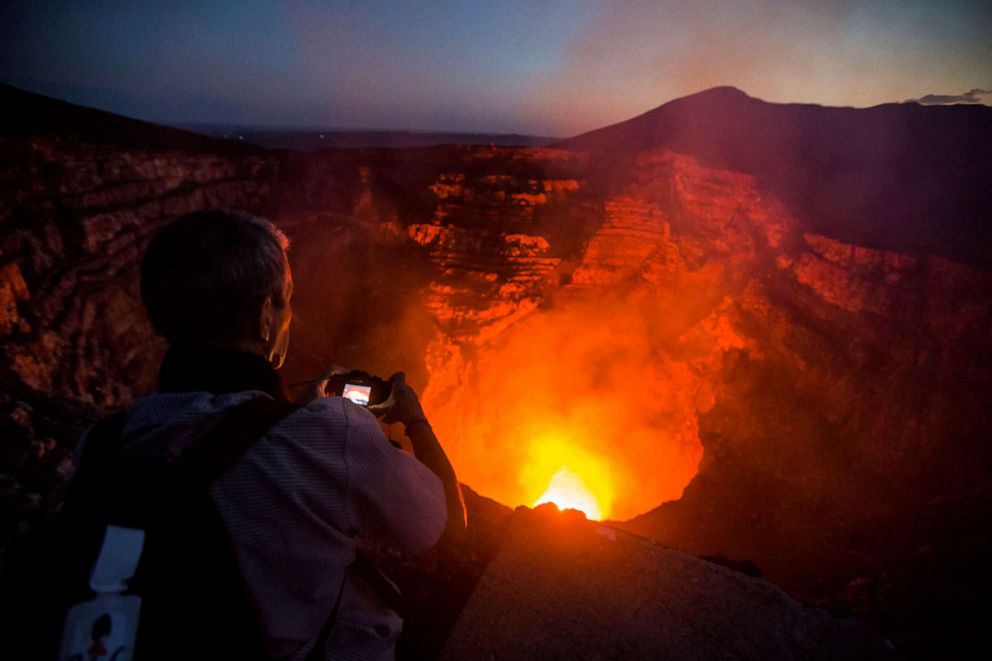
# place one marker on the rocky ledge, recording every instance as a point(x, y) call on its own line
point(562, 587)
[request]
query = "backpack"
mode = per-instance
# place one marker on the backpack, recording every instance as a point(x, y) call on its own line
point(193, 599)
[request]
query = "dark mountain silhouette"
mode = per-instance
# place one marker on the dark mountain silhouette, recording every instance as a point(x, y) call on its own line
point(26, 113)
point(898, 176)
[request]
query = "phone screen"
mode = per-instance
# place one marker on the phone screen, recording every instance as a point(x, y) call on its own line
point(358, 394)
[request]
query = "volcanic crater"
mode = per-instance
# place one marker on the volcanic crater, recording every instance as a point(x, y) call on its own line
point(718, 326)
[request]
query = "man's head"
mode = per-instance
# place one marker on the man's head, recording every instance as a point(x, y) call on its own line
point(220, 278)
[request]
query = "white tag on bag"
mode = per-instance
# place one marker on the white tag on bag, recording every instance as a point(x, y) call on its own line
point(118, 559)
point(107, 626)
point(104, 628)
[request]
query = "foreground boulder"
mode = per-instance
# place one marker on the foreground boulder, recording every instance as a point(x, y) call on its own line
point(564, 587)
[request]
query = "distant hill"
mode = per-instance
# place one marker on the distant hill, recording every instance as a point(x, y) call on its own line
point(900, 176)
point(314, 139)
point(28, 113)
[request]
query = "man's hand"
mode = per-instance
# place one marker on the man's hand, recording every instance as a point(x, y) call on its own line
point(316, 389)
point(403, 405)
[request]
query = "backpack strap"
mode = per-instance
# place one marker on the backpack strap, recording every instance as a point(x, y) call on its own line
point(100, 456)
point(172, 494)
point(226, 441)
point(195, 594)
point(201, 465)
point(49, 570)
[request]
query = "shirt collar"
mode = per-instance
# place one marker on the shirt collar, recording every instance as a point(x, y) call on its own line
point(217, 371)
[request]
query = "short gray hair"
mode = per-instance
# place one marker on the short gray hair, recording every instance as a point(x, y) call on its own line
point(205, 275)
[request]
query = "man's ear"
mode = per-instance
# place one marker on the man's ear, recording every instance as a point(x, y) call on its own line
point(266, 319)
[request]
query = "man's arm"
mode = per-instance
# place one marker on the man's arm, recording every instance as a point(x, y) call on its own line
point(428, 450)
point(404, 406)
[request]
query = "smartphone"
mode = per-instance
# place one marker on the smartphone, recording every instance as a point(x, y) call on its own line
point(359, 387)
point(358, 393)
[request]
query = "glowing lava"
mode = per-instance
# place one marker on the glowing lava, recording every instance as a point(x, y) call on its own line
point(568, 491)
point(584, 385)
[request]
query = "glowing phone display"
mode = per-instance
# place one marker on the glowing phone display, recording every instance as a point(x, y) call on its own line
point(358, 394)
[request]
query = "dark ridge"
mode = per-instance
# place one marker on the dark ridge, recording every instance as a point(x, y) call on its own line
point(315, 138)
point(897, 176)
point(30, 114)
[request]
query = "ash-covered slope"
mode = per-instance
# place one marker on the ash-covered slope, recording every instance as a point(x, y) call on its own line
point(895, 176)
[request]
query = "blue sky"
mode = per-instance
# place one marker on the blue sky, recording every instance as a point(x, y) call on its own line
point(541, 67)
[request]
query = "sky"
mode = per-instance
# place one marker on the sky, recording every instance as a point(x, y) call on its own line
point(539, 67)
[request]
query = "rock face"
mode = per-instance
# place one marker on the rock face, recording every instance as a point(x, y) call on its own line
point(564, 588)
point(764, 366)
point(75, 218)
point(35, 458)
point(895, 176)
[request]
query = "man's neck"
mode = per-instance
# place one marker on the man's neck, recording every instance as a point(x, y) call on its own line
point(244, 346)
point(218, 369)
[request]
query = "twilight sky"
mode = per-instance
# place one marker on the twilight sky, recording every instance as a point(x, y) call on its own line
point(546, 67)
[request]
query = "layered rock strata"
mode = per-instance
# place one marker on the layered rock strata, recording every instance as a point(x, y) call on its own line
point(76, 218)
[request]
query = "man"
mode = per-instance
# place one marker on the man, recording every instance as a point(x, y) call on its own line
point(218, 287)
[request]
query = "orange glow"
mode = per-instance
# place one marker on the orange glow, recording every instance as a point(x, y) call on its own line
point(564, 474)
point(567, 491)
point(580, 406)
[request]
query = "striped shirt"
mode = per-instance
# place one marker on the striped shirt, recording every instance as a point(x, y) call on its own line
point(292, 505)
